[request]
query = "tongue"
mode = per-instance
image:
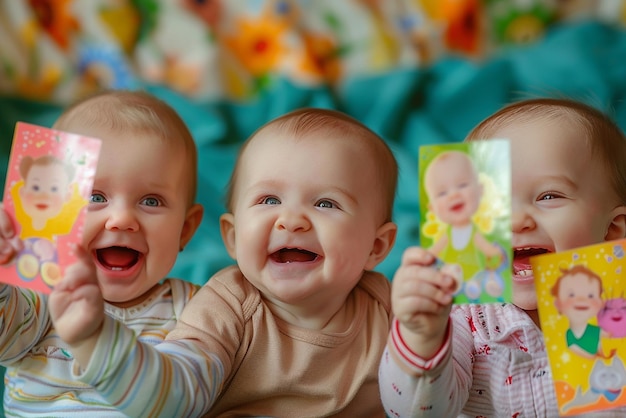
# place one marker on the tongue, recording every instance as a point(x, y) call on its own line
point(118, 256)
point(295, 256)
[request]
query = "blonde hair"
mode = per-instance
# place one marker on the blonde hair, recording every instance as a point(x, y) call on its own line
point(301, 123)
point(130, 112)
point(605, 139)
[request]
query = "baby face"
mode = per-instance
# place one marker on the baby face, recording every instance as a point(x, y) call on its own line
point(453, 189)
point(137, 218)
point(306, 214)
point(561, 198)
point(46, 189)
point(578, 297)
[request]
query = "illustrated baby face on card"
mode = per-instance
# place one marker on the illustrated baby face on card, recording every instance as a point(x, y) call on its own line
point(453, 188)
point(46, 188)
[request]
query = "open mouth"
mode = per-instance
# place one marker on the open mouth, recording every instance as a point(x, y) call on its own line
point(521, 260)
point(293, 255)
point(529, 252)
point(118, 258)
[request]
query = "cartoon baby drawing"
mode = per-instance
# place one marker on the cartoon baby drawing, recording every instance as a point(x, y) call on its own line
point(454, 192)
point(578, 296)
point(46, 188)
point(46, 206)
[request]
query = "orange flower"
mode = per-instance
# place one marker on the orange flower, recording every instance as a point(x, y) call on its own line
point(55, 19)
point(322, 57)
point(258, 43)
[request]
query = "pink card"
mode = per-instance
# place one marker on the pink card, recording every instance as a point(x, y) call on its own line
point(47, 189)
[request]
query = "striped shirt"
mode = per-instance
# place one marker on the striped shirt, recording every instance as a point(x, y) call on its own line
point(39, 380)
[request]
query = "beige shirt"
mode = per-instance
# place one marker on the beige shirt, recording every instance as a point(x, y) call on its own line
point(272, 368)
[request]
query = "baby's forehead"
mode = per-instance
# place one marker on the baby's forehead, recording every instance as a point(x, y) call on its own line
point(456, 156)
point(48, 166)
point(580, 278)
point(279, 136)
point(457, 160)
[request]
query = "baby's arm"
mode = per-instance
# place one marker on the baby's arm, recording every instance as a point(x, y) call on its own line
point(170, 379)
point(421, 299)
point(23, 313)
point(174, 378)
point(439, 245)
point(488, 248)
point(77, 307)
point(417, 375)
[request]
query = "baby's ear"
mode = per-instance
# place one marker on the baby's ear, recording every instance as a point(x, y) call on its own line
point(617, 227)
point(227, 228)
point(193, 217)
point(385, 238)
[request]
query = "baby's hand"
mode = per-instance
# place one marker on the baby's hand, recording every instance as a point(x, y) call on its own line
point(421, 299)
point(76, 304)
point(10, 243)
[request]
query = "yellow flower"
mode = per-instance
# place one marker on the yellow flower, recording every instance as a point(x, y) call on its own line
point(433, 228)
point(42, 86)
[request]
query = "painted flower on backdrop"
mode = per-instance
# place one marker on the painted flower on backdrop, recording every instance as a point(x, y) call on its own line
point(55, 19)
point(321, 57)
point(257, 43)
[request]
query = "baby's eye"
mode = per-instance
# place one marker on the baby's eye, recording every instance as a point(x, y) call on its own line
point(271, 201)
point(548, 196)
point(97, 198)
point(326, 204)
point(151, 201)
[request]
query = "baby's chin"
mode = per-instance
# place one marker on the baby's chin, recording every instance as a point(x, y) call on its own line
point(524, 296)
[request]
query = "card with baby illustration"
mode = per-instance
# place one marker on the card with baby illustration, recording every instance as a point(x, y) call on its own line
point(465, 216)
point(47, 188)
point(581, 296)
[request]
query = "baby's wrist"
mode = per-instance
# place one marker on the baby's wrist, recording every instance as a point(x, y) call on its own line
point(415, 354)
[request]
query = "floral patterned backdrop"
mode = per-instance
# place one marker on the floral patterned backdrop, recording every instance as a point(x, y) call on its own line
point(59, 50)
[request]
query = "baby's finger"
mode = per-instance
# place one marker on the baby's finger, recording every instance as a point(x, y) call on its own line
point(6, 225)
point(419, 305)
point(417, 255)
point(422, 297)
point(79, 273)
